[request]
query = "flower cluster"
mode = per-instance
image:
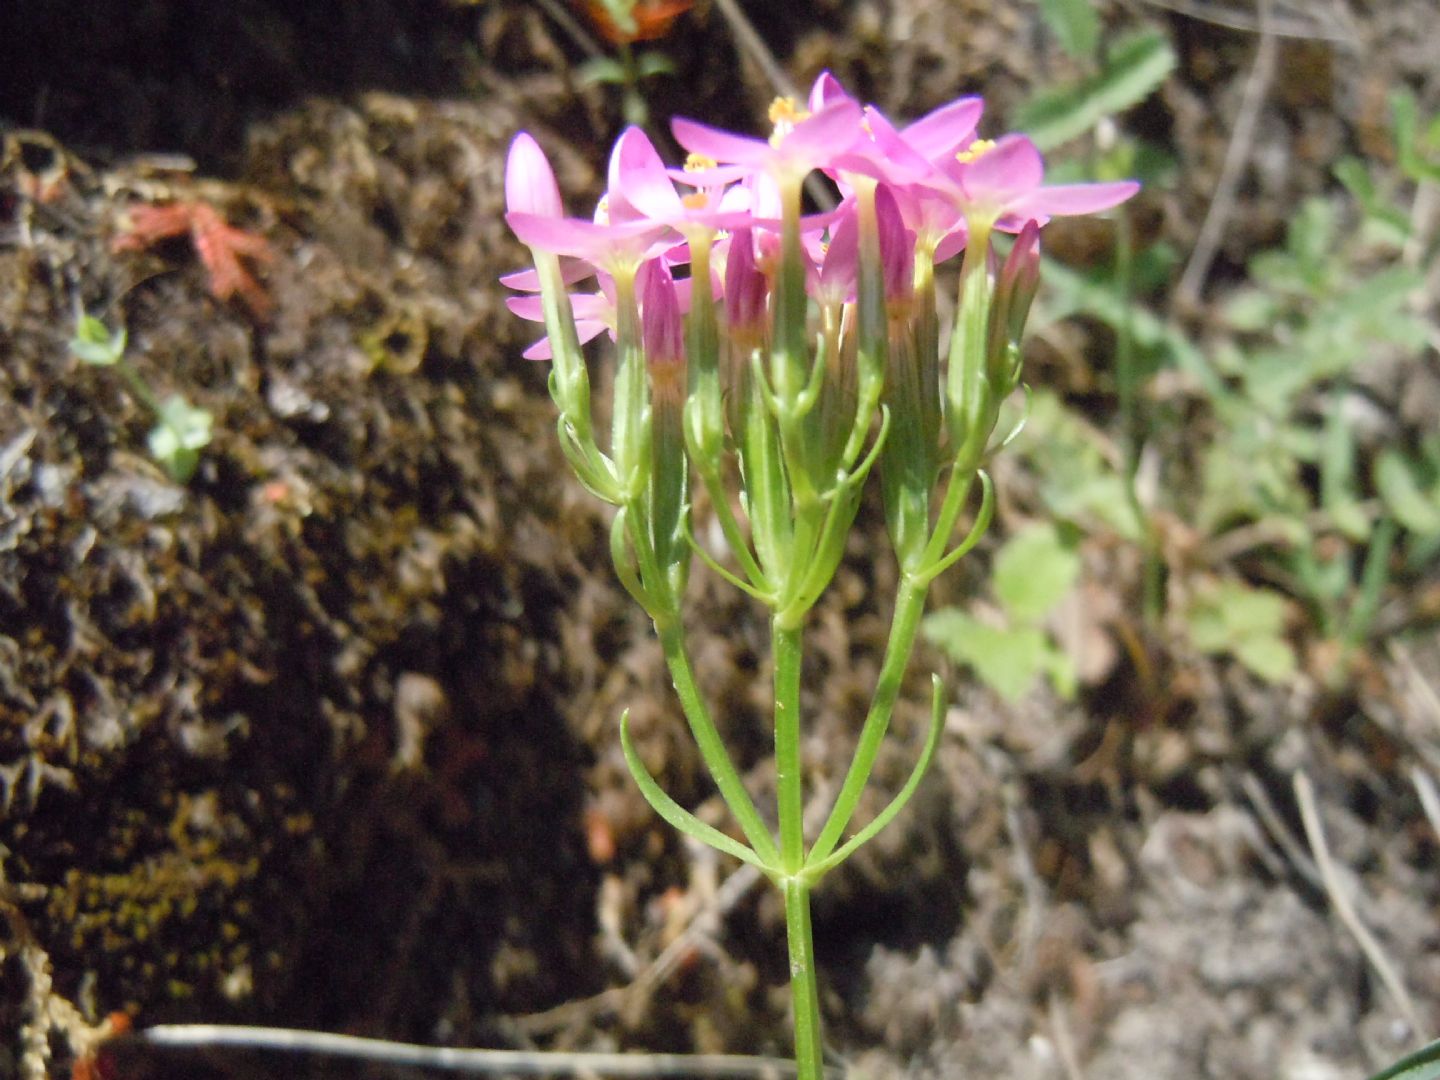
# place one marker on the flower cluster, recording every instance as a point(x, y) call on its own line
point(745, 326)
point(792, 354)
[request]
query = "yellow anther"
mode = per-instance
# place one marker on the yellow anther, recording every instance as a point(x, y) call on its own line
point(696, 200)
point(784, 115)
point(978, 148)
point(699, 163)
point(602, 211)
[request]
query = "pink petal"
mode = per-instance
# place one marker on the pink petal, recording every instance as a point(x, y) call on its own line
point(952, 243)
point(884, 155)
point(529, 181)
point(1064, 199)
point(945, 131)
point(1004, 173)
point(825, 90)
point(823, 136)
point(585, 330)
point(571, 271)
point(638, 175)
point(708, 178)
point(723, 146)
point(583, 239)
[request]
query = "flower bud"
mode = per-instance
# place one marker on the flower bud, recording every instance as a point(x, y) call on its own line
point(1015, 290)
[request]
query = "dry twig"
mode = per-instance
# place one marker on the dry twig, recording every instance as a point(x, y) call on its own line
point(454, 1059)
point(1234, 19)
point(1237, 155)
point(1340, 900)
point(1429, 798)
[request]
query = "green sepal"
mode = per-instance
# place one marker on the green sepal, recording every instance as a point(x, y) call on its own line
point(830, 547)
point(813, 872)
point(675, 814)
point(982, 523)
point(624, 561)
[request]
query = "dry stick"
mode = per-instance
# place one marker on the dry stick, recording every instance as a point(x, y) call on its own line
point(752, 43)
point(1275, 825)
point(566, 22)
point(1335, 889)
point(1429, 798)
point(1237, 154)
point(1064, 1040)
point(1239, 20)
point(484, 1062)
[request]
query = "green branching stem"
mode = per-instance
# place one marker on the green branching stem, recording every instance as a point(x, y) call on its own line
point(909, 606)
point(712, 748)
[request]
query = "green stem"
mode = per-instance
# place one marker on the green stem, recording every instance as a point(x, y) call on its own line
point(139, 387)
point(787, 648)
point(712, 748)
point(805, 996)
point(909, 606)
point(1127, 378)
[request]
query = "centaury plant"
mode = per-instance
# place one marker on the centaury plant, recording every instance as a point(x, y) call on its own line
point(792, 355)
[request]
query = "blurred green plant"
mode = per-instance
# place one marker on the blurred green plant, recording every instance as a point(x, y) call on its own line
point(181, 430)
point(1032, 573)
point(1245, 622)
point(1114, 78)
point(623, 23)
point(1323, 507)
point(1424, 1064)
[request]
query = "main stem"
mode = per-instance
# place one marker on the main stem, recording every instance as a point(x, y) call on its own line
point(787, 645)
point(804, 992)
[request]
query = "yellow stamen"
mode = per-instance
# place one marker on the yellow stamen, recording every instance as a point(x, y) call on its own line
point(699, 163)
point(784, 115)
point(977, 149)
point(602, 211)
point(696, 200)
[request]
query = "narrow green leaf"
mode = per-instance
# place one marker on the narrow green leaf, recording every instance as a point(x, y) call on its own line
point(1337, 474)
point(1075, 25)
point(932, 740)
point(1418, 150)
point(673, 812)
point(1134, 68)
point(1424, 1064)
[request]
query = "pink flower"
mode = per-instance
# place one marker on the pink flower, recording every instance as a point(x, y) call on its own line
point(917, 151)
point(801, 141)
point(613, 249)
point(536, 215)
point(640, 185)
point(1002, 184)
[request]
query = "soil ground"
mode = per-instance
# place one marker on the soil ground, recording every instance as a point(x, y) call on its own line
point(327, 736)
